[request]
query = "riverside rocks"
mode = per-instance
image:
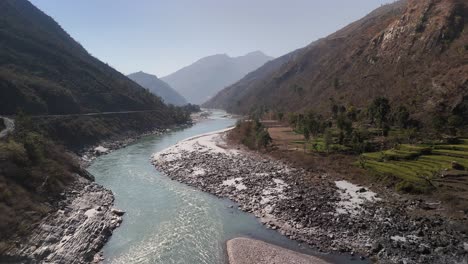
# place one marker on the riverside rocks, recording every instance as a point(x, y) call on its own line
point(313, 208)
point(76, 232)
point(248, 251)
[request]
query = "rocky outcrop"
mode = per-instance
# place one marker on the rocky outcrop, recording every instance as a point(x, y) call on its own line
point(321, 210)
point(76, 232)
point(412, 52)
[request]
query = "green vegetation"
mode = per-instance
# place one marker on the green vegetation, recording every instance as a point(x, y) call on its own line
point(34, 173)
point(380, 126)
point(415, 166)
point(391, 143)
point(76, 132)
point(252, 134)
point(45, 71)
point(191, 108)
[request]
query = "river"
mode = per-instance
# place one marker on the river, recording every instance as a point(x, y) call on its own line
point(167, 222)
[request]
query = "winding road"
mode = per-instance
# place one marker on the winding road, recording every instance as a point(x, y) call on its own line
point(9, 126)
point(98, 113)
point(10, 123)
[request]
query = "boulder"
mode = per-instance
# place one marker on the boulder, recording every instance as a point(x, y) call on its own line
point(117, 212)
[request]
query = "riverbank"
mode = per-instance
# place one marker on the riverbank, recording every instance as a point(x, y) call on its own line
point(248, 251)
point(89, 153)
point(83, 218)
point(76, 232)
point(323, 210)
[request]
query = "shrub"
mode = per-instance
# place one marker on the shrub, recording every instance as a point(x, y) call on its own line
point(13, 151)
point(263, 138)
point(409, 187)
point(34, 145)
point(252, 134)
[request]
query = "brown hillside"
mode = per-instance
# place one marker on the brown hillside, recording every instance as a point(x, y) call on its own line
point(413, 52)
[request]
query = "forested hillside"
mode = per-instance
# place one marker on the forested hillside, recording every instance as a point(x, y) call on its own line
point(44, 71)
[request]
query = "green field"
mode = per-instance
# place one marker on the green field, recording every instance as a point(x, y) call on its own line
point(416, 165)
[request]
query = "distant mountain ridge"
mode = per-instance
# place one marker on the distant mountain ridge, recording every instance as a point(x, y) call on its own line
point(158, 87)
point(43, 70)
point(204, 78)
point(413, 52)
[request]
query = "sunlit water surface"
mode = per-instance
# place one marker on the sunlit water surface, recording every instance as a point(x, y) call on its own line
point(168, 222)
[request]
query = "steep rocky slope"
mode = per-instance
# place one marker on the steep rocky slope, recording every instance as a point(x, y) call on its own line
point(204, 78)
point(43, 70)
point(158, 87)
point(413, 52)
point(51, 211)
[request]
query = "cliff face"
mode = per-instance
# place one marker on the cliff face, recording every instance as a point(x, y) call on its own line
point(413, 52)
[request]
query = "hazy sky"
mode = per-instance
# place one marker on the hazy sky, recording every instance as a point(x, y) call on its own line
point(161, 36)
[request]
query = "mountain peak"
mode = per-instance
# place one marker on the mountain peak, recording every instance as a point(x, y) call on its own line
point(412, 52)
point(158, 87)
point(256, 53)
point(142, 73)
point(204, 78)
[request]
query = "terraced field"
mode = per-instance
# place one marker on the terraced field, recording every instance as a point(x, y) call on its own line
point(422, 165)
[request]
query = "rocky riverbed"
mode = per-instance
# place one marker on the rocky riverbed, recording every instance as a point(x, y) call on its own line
point(322, 210)
point(247, 251)
point(76, 232)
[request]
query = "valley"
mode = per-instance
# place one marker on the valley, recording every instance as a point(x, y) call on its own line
point(344, 147)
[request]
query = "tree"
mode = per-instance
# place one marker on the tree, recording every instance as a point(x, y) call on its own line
point(378, 110)
point(439, 122)
point(263, 138)
point(352, 113)
point(335, 110)
point(292, 119)
point(454, 122)
point(280, 116)
point(402, 117)
point(327, 138)
point(313, 123)
point(345, 126)
point(306, 133)
point(358, 140)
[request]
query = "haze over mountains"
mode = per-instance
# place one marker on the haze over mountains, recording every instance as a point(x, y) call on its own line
point(158, 87)
point(204, 78)
point(43, 70)
point(413, 52)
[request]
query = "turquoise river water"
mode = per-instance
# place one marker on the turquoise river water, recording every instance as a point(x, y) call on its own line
point(167, 222)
